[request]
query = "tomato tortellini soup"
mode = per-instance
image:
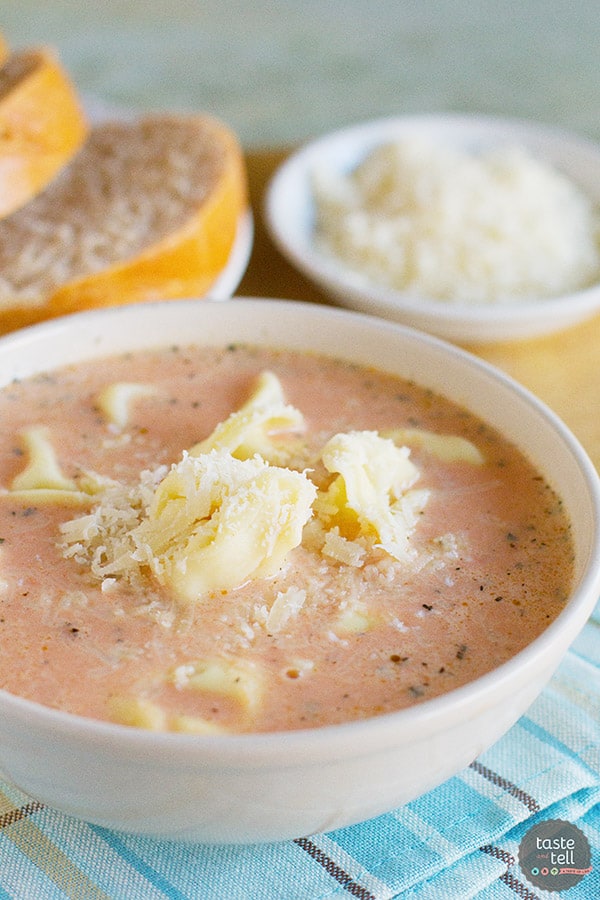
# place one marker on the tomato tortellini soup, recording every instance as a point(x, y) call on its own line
point(238, 539)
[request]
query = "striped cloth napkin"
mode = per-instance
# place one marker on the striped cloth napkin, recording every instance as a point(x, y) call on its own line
point(461, 841)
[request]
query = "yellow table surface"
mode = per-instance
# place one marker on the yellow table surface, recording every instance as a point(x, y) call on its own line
point(562, 370)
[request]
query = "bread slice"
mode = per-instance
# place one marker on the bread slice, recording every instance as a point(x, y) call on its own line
point(42, 124)
point(148, 209)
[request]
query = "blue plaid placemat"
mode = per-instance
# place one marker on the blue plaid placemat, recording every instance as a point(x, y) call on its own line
point(458, 842)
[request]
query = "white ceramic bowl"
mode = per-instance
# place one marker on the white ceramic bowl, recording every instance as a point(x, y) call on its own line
point(250, 788)
point(290, 214)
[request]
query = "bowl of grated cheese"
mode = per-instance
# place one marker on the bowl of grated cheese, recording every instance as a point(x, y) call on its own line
point(475, 229)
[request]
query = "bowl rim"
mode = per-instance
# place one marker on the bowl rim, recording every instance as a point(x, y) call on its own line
point(354, 738)
point(293, 238)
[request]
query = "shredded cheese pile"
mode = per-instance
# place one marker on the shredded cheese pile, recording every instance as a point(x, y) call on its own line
point(233, 507)
point(459, 227)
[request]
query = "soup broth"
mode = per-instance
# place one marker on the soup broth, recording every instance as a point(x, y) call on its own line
point(350, 622)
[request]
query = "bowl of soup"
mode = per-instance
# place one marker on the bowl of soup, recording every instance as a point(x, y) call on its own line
point(270, 568)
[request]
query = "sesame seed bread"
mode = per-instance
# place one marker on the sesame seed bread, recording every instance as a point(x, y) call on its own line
point(42, 124)
point(148, 209)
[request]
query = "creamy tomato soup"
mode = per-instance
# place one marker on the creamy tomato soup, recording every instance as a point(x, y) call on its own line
point(419, 551)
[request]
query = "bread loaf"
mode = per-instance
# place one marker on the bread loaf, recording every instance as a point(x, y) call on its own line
point(147, 209)
point(42, 124)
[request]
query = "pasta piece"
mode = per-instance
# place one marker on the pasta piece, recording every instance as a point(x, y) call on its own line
point(194, 725)
point(42, 470)
point(237, 679)
point(212, 509)
point(42, 482)
point(49, 497)
point(370, 494)
point(115, 401)
point(447, 447)
point(257, 425)
point(138, 712)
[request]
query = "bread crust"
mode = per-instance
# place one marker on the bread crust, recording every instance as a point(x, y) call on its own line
point(42, 125)
point(183, 261)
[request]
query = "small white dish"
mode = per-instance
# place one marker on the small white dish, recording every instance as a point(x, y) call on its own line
point(227, 282)
point(290, 215)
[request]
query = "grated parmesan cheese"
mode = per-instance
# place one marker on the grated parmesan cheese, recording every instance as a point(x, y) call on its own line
point(287, 604)
point(455, 227)
point(350, 553)
point(103, 539)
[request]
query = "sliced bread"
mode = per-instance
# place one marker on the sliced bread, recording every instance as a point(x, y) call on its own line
point(148, 209)
point(42, 124)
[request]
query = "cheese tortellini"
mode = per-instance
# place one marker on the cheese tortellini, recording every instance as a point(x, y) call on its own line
point(116, 400)
point(42, 481)
point(236, 680)
point(260, 426)
point(216, 521)
point(371, 493)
